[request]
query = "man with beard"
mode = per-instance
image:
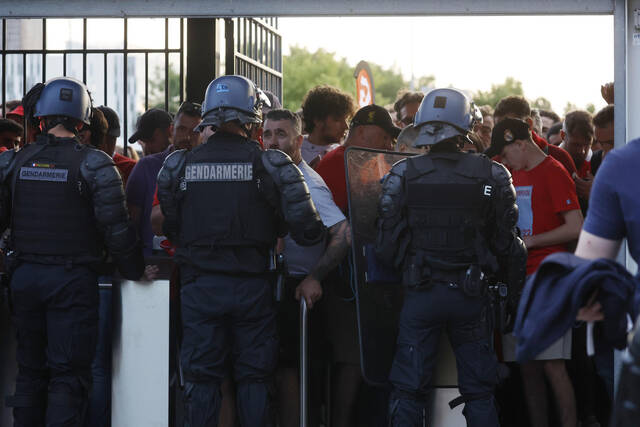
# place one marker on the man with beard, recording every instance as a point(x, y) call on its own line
point(326, 111)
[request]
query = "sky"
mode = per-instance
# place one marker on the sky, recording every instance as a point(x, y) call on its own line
point(562, 58)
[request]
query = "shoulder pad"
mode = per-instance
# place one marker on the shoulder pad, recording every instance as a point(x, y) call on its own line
point(171, 169)
point(399, 167)
point(175, 160)
point(6, 160)
point(96, 159)
point(275, 158)
point(500, 173)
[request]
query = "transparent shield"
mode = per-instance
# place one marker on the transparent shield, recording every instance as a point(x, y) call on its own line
point(378, 290)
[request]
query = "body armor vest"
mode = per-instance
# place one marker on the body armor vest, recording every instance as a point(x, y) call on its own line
point(223, 204)
point(52, 207)
point(448, 196)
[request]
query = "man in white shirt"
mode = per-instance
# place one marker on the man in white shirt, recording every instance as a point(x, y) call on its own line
point(306, 266)
point(326, 112)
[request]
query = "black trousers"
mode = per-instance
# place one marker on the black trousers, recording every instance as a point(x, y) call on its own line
point(425, 314)
point(227, 316)
point(55, 311)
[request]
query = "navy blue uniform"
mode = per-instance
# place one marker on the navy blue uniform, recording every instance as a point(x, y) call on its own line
point(446, 220)
point(225, 203)
point(64, 203)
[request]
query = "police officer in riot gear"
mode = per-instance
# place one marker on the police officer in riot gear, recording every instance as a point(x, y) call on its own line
point(447, 220)
point(225, 202)
point(64, 203)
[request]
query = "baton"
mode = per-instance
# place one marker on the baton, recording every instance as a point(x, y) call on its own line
point(304, 362)
point(280, 269)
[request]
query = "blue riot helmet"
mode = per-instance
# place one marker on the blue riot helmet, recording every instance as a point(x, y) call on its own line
point(65, 97)
point(230, 98)
point(445, 114)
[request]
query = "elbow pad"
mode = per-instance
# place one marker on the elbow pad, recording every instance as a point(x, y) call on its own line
point(299, 212)
point(393, 238)
point(168, 187)
point(105, 183)
point(111, 213)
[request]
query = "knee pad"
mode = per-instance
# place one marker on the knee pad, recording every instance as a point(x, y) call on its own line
point(407, 412)
point(202, 403)
point(255, 403)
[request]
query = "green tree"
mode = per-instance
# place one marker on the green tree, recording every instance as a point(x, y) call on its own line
point(541, 103)
point(425, 82)
point(570, 107)
point(491, 97)
point(591, 108)
point(304, 70)
point(156, 89)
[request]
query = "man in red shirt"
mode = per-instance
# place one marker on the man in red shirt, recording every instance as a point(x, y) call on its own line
point(577, 137)
point(371, 127)
point(549, 218)
point(516, 107)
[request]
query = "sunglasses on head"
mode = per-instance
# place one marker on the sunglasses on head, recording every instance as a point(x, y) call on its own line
point(190, 108)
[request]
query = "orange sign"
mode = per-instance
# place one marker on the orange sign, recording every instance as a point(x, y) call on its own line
point(365, 92)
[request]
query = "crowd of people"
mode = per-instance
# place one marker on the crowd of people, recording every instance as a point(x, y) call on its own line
point(230, 362)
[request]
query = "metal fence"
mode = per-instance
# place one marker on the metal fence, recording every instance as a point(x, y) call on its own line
point(110, 64)
point(130, 64)
point(255, 52)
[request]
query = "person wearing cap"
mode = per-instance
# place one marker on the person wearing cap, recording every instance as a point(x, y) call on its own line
point(154, 130)
point(549, 219)
point(17, 115)
point(225, 203)
point(447, 221)
point(517, 107)
point(371, 127)
point(64, 202)
point(10, 134)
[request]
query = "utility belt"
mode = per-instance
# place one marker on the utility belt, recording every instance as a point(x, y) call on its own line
point(14, 258)
point(423, 272)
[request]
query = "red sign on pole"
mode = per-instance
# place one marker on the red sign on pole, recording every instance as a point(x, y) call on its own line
point(365, 92)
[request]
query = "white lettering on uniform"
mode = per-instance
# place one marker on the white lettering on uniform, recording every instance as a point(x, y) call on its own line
point(43, 174)
point(487, 190)
point(211, 172)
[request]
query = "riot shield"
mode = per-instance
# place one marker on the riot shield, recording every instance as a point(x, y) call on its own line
point(378, 291)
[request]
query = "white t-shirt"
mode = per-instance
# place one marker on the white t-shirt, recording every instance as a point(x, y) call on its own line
point(300, 260)
point(311, 151)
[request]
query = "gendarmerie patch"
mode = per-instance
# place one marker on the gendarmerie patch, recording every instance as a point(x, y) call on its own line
point(198, 172)
point(39, 173)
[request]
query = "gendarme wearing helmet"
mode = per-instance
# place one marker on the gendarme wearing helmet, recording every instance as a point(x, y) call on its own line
point(444, 114)
point(66, 101)
point(232, 98)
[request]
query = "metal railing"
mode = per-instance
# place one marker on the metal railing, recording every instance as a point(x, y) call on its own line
point(46, 53)
point(254, 50)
